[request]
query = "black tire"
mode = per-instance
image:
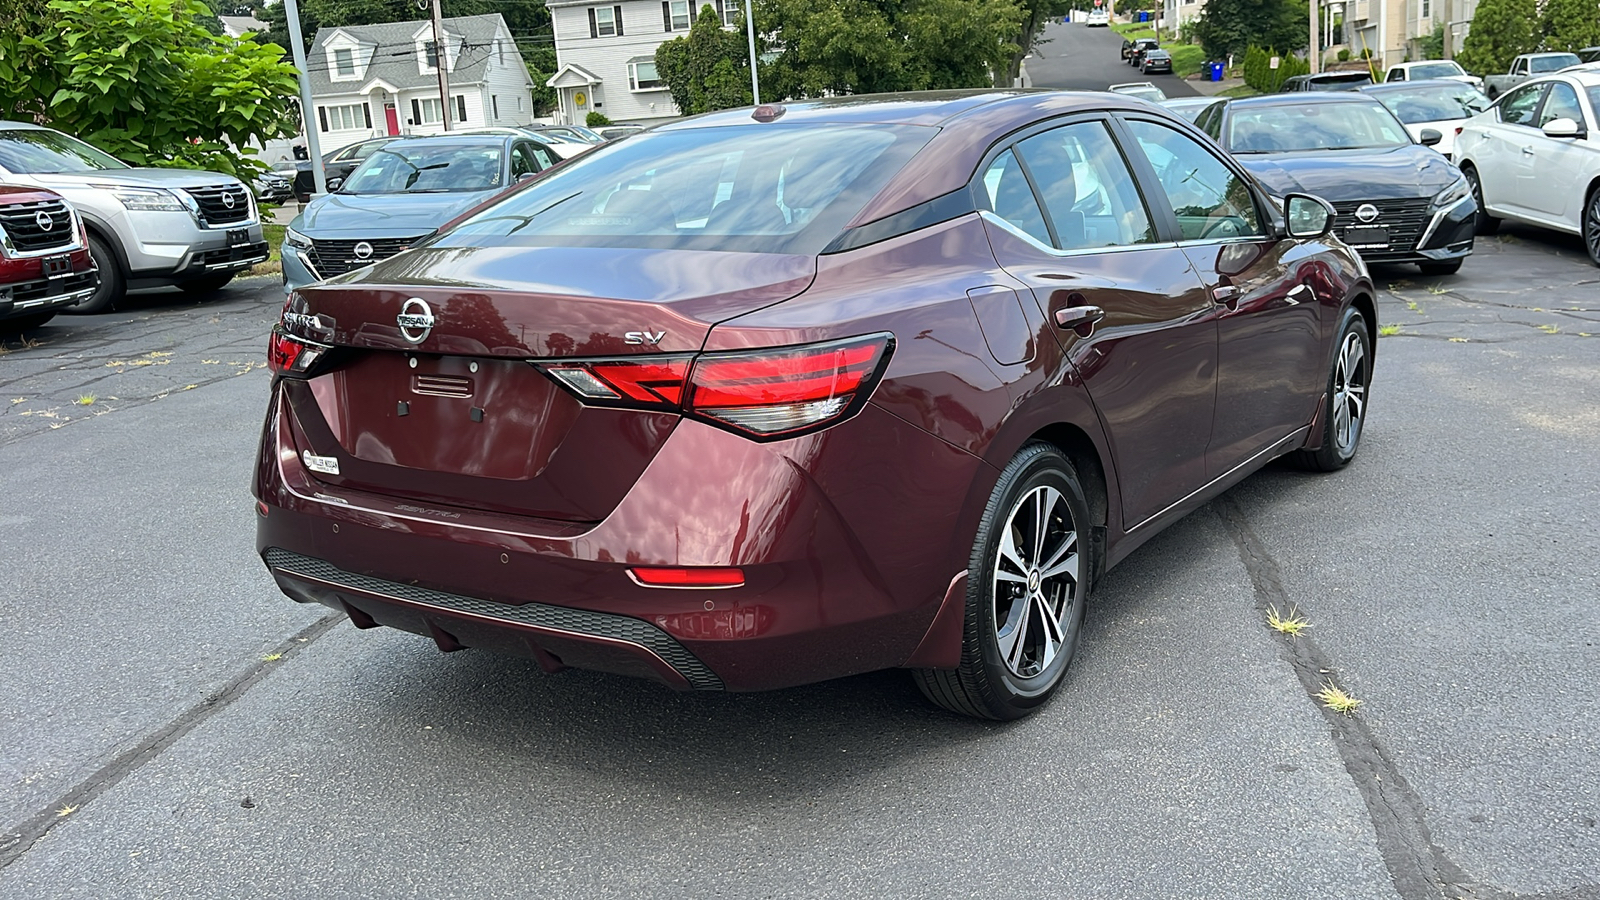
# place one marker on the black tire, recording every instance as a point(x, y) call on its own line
point(1440, 268)
point(1486, 224)
point(1001, 679)
point(1591, 225)
point(111, 287)
point(25, 323)
point(1351, 370)
point(206, 284)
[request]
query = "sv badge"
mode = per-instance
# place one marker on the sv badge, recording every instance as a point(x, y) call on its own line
point(644, 337)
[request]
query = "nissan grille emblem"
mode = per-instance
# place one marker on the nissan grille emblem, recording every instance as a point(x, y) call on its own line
point(1366, 212)
point(44, 221)
point(415, 320)
point(227, 200)
point(363, 250)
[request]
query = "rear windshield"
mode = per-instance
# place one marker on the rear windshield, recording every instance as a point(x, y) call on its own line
point(763, 189)
point(1435, 70)
point(1337, 82)
point(1434, 103)
point(28, 151)
point(1552, 63)
point(425, 167)
point(1313, 126)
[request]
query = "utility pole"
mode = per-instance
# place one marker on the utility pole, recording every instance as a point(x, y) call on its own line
point(1449, 33)
point(1314, 49)
point(443, 58)
point(308, 112)
point(750, 32)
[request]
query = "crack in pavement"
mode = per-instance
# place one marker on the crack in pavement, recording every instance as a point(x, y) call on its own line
point(1419, 868)
point(19, 839)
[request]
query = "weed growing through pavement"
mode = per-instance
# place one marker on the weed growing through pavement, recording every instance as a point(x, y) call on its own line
point(86, 400)
point(1292, 624)
point(1388, 330)
point(1550, 329)
point(1337, 700)
point(1436, 289)
point(1414, 306)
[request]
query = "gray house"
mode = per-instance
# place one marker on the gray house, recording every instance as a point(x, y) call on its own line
point(372, 80)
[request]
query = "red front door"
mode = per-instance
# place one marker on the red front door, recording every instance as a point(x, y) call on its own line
point(391, 118)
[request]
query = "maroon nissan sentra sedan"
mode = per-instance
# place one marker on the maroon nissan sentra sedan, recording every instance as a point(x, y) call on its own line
point(757, 399)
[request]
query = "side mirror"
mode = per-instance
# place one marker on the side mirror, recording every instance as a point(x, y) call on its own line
point(1563, 128)
point(1430, 137)
point(335, 183)
point(1306, 216)
point(527, 175)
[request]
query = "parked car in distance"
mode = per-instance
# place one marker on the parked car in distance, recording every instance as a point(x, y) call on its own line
point(613, 132)
point(401, 194)
point(147, 227)
point(1131, 49)
point(336, 164)
point(1326, 81)
point(44, 257)
point(1144, 90)
point(1439, 106)
point(1526, 66)
point(638, 416)
point(1431, 69)
point(576, 132)
point(1155, 59)
point(1189, 107)
point(1534, 158)
point(273, 186)
point(1098, 18)
point(1398, 201)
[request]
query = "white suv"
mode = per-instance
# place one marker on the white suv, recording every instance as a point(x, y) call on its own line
point(147, 227)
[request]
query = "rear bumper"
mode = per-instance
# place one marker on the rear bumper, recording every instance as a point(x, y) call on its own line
point(847, 556)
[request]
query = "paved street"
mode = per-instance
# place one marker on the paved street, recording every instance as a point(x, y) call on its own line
point(178, 728)
point(1079, 58)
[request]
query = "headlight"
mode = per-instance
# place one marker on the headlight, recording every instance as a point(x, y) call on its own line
point(296, 240)
point(148, 199)
point(1453, 193)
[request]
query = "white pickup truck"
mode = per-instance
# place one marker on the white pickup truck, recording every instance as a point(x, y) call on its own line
point(1525, 66)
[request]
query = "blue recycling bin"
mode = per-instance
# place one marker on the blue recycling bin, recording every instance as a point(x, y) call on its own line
point(1216, 71)
point(1144, 16)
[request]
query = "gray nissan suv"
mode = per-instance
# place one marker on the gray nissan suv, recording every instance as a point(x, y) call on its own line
point(147, 227)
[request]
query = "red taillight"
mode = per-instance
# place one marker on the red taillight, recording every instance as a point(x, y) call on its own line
point(762, 394)
point(288, 355)
point(696, 577)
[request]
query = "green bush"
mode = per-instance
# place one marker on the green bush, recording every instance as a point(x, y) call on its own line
point(1344, 55)
point(1259, 74)
point(1187, 59)
point(596, 119)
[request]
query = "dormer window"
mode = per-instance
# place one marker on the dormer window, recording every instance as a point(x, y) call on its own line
point(431, 48)
point(344, 62)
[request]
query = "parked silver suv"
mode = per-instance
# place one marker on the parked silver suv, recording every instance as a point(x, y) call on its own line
point(147, 227)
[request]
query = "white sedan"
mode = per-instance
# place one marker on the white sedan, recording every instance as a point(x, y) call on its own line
point(1438, 106)
point(1534, 157)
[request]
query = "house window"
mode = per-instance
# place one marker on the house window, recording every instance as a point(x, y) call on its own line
point(428, 111)
point(344, 61)
point(346, 118)
point(605, 21)
point(432, 49)
point(494, 105)
point(675, 14)
point(732, 13)
point(642, 75)
point(461, 107)
point(1427, 9)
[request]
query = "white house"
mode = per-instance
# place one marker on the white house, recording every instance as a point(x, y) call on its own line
point(372, 80)
point(606, 54)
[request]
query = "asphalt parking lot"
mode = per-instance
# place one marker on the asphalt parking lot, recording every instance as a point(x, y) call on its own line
point(178, 728)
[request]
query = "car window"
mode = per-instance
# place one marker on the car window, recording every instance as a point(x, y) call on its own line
point(544, 156)
point(1006, 193)
point(1396, 75)
point(1437, 101)
point(1209, 199)
point(1560, 103)
point(1517, 107)
point(1287, 127)
point(523, 161)
point(1521, 68)
point(1594, 98)
point(1087, 187)
point(31, 151)
point(1555, 62)
point(1435, 70)
point(427, 167)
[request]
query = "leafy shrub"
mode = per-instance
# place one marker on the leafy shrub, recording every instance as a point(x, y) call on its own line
point(596, 119)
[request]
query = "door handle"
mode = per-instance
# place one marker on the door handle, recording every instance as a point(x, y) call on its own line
point(1300, 292)
point(1527, 151)
point(1226, 294)
point(1080, 319)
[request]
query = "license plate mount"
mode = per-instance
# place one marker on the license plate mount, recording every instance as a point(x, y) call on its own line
point(1367, 237)
point(57, 266)
point(238, 237)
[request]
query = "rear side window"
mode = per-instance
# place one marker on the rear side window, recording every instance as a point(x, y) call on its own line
point(765, 189)
point(1209, 200)
point(1087, 188)
point(1006, 193)
point(1562, 103)
point(1517, 107)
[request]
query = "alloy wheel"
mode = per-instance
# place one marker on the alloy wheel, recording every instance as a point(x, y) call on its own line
point(1035, 582)
point(1591, 227)
point(1349, 392)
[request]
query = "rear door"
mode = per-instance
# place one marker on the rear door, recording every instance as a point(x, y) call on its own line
point(1557, 192)
point(1269, 330)
point(1065, 215)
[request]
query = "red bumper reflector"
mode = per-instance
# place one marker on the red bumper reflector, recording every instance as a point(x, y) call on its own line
point(261, 507)
point(697, 577)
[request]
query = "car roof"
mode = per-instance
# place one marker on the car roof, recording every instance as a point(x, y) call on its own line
point(1300, 99)
point(935, 108)
point(468, 138)
point(1398, 87)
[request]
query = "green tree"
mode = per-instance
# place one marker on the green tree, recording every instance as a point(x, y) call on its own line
point(1569, 25)
point(145, 81)
point(1432, 46)
point(1035, 15)
point(707, 69)
point(1232, 26)
point(1501, 30)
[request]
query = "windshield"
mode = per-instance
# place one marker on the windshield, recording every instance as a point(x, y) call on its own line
point(28, 151)
point(772, 189)
point(1435, 70)
point(1434, 103)
point(1314, 126)
point(1552, 63)
point(425, 167)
